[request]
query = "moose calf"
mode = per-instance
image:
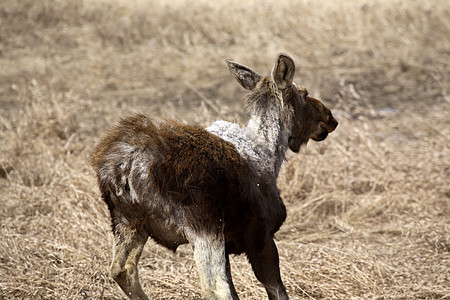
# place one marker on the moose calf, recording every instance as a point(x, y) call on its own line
point(214, 188)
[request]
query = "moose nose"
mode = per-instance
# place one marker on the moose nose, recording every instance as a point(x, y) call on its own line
point(333, 124)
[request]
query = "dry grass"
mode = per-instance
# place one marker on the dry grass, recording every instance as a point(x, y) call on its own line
point(368, 208)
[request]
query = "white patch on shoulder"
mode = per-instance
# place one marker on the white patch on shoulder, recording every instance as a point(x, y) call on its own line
point(233, 133)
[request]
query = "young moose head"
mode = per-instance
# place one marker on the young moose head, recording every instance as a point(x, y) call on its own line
point(307, 117)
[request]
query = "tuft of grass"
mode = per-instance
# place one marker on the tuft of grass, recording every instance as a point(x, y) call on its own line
point(367, 208)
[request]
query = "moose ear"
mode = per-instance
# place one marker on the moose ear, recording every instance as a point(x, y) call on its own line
point(283, 71)
point(244, 75)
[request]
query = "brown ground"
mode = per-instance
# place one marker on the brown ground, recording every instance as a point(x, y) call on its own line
point(368, 207)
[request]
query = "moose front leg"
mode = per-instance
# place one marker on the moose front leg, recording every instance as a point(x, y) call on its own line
point(265, 264)
point(230, 279)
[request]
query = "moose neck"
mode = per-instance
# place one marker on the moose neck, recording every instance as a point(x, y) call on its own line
point(270, 130)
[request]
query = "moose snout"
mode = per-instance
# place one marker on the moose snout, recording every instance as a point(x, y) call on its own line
point(329, 126)
point(332, 125)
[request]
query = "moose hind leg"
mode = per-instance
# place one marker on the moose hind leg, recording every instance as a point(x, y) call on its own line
point(209, 256)
point(126, 253)
point(265, 264)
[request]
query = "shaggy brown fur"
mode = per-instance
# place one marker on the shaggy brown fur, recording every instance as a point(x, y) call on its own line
point(203, 177)
point(193, 179)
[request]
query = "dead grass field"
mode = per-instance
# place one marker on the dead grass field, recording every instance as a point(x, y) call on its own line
point(368, 208)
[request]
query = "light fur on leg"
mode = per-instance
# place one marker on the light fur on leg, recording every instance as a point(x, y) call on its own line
point(209, 255)
point(126, 253)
